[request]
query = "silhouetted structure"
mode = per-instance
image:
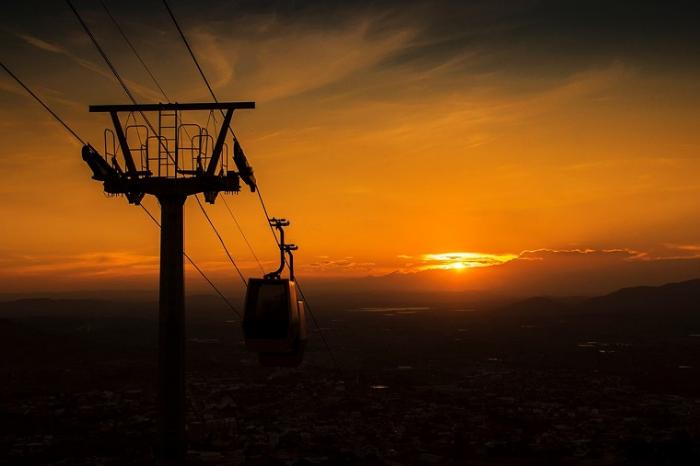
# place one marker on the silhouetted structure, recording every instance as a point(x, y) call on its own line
point(274, 323)
point(171, 162)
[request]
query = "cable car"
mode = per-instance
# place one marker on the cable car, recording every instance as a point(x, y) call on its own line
point(274, 319)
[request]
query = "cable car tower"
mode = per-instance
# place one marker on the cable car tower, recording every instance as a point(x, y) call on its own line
point(171, 162)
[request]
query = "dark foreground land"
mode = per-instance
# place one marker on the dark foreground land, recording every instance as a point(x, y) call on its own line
point(612, 380)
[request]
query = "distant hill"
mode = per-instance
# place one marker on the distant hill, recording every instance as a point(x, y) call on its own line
point(671, 305)
point(680, 296)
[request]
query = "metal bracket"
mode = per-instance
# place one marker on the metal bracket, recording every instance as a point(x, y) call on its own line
point(279, 224)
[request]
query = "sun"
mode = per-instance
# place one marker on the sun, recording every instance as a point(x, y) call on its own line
point(459, 261)
point(456, 266)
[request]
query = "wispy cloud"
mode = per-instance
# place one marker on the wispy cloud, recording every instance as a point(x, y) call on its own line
point(462, 260)
point(293, 61)
point(95, 264)
point(682, 251)
point(87, 64)
point(42, 44)
point(469, 260)
point(617, 253)
point(346, 265)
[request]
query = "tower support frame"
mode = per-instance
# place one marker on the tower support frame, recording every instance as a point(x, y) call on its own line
point(172, 191)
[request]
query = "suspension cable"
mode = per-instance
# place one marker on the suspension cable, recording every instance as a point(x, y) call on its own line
point(213, 95)
point(133, 49)
point(189, 49)
point(101, 51)
point(301, 292)
point(141, 60)
point(196, 267)
point(318, 327)
point(131, 97)
point(138, 55)
point(262, 203)
point(155, 81)
point(267, 215)
point(221, 240)
point(262, 270)
point(162, 91)
point(194, 59)
point(43, 104)
point(74, 134)
point(116, 74)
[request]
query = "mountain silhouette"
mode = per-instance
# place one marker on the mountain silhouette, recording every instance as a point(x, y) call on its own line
point(680, 297)
point(677, 297)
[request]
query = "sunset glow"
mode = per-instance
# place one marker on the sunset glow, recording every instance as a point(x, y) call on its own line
point(349, 232)
point(378, 138)
point(463, 260)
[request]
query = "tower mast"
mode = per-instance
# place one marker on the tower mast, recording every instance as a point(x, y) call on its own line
point(171, 170)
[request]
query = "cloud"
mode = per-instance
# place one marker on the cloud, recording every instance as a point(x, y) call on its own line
point(88, 65)
point(7, 85)
point(79, 266)
point(42, 44)
point(586, 254)
point(218, 61)
point(108, 269)
point(692, 248)
point(662, 253)
point(292, 61)
point(566, 271)
point(678, 251)
point(509, 35)
point(462, 260)
point(345, 265)
point(480, 264)
point(566, 258)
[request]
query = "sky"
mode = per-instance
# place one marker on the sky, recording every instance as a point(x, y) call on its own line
point(466, 138)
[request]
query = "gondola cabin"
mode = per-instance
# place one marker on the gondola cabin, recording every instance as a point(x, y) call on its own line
point(274, 321)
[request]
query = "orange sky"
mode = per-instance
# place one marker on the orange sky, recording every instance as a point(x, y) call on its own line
point(380, 155)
